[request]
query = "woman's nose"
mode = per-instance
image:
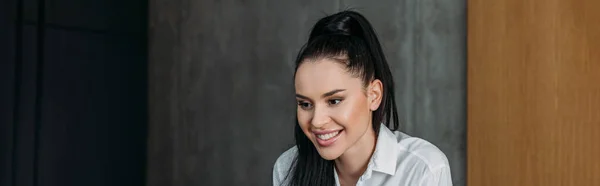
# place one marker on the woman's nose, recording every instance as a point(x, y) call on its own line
point(320, 117)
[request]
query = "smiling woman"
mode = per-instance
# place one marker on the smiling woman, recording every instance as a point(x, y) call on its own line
point(346, 114)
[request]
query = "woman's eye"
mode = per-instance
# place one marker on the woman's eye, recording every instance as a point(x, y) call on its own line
point(335, 101)
point(304, 105)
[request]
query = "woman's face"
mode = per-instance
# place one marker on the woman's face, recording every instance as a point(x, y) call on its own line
point(334, 108)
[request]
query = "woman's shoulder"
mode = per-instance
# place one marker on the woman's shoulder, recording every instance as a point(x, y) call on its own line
point(421, 156)
point(286, 158)
point(420, 151)
point(282, 165)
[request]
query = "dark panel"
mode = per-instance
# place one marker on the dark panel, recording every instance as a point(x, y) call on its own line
point(104, 15)
point(7, 87)
point(30, 11)
point(94, 110)
point(24, 145)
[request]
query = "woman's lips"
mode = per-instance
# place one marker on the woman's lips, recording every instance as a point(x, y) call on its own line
point(327, 138)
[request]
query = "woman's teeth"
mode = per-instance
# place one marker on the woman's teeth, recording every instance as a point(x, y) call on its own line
point(328, 136)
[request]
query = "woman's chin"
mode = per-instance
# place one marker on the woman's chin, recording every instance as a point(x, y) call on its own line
point(329, 154)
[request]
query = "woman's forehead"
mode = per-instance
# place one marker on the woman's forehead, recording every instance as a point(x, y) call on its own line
point(323, 75)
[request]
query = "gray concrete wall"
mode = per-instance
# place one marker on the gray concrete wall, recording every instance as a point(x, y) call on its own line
point(221, 90)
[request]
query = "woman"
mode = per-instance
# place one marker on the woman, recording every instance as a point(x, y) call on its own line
point(345, 96)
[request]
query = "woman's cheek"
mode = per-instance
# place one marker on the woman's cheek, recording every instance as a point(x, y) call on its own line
point(346, 112)
point(353, 112)
point(304, 120)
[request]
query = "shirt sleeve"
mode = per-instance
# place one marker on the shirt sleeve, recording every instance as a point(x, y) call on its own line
point(277, 175)
point(438, 177)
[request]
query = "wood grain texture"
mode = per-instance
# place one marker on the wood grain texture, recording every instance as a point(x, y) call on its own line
point(533, 92)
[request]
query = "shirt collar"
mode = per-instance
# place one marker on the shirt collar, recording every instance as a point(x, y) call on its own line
point(384, 158)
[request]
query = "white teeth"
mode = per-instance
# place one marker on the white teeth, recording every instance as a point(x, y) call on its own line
point(328, 136)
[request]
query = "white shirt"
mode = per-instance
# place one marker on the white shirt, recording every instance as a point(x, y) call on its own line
point(398, 159)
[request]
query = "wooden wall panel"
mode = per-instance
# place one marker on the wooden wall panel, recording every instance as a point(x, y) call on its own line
point(533, 92)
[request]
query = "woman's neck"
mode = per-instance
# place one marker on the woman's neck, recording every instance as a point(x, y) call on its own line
point(353, 163)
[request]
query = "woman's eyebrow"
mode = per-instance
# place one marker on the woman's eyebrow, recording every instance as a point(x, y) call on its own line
point(302, 97)
point(327, 94)
point(332, 92)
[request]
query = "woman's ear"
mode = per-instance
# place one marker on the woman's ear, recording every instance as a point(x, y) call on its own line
point(375, 94)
